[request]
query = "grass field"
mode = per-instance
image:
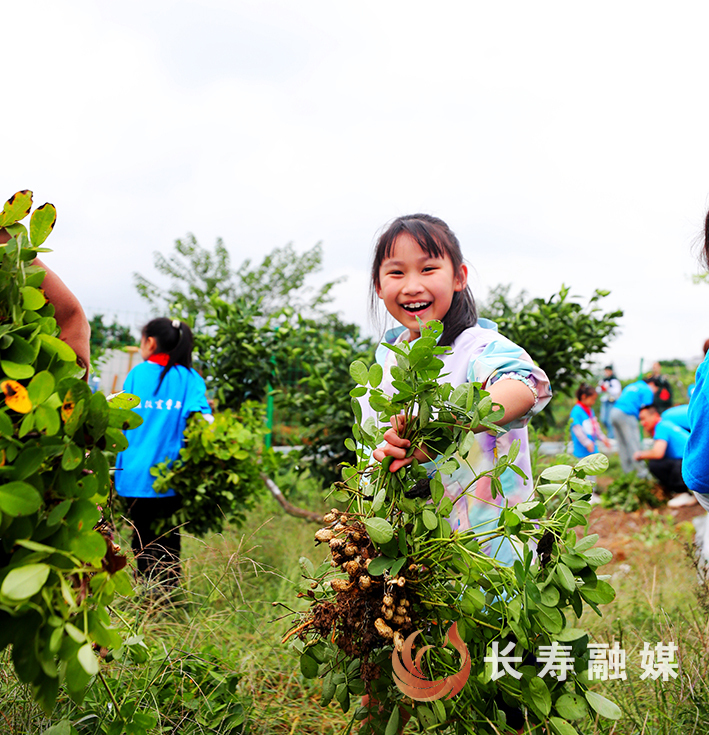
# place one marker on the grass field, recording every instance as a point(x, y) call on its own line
point(215, 663)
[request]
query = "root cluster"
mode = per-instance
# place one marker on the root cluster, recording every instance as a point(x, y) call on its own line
point(368, 612)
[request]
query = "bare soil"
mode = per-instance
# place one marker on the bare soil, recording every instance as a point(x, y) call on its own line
point(618, 530)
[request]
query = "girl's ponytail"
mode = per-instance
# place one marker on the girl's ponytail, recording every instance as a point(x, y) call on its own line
point(173, 338)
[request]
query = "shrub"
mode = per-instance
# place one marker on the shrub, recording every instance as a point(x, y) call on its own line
point(58, 571)
point(217, 475)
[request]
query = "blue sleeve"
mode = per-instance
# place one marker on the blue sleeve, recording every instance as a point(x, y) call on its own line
point(578, 416)
point(695, 465)
point(662, 432)
point(196, 401)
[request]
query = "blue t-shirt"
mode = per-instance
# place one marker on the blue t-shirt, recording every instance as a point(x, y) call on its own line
point(634, 397)
point(579, 417)
point(675, 436)
point(695, 467)
point(160, 436)
point(678, 415)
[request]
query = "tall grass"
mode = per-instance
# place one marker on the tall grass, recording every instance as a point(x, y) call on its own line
point(213, 662)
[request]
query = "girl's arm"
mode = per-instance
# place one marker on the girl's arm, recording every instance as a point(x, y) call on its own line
point(580, 434)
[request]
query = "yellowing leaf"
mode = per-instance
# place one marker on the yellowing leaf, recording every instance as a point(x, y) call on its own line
point(68, 407)
point(17, 207)
point(16, 396)
point(41, 223)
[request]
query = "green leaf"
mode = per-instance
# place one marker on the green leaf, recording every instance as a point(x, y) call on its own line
point(379, 499)
point(379, 530)
point(87, 658)
point(467, 444)
point(597, 557)
point(32, 298)
point(16, 370)
point(42, 223)
point(55, 346)
point(565, 577)
point(19, 499)
point(123, 400)
point(540, 695)
point(40, 387)
point(17, 207)
point(122, 418)
point(6, 428)
point(603, 706)
point(392, 727)
point(550, 596)
point(63, 727)
point(308, 666)
point(72, 457)
point(27, 462)
point(24, 582)
point(89, 547)
point(594, 464)
point(375, 375)
point(562, 727)
point(379, 565)
point(98, 413)
point(359, 372)
point(571, 706)
point(557, 473)
point(425, 716)
point(570, 634)
point(601, 594)
point(550, 618)
point(586, 543)
point(47, 420)
point(430, 519)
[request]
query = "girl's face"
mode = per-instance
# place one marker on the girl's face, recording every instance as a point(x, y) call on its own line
point(413, 284)
point(589, 400)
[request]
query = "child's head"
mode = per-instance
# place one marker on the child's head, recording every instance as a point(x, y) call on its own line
point(586, 394)
point(167, 336)
point(418, 271)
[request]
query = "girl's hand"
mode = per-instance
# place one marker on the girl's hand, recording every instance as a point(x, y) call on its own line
point(607, 442)
point(397, 447)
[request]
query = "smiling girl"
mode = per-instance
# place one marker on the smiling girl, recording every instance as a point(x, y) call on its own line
point(419, 274)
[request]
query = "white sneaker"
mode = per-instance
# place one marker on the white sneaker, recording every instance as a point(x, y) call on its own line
point(682, 500)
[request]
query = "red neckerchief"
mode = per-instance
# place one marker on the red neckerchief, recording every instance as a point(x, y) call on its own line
point(161, 358)
point(588, 411)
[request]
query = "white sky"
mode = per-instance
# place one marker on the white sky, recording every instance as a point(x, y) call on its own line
point(562, 142)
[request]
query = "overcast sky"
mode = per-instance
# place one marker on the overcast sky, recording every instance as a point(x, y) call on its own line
point(562, 142)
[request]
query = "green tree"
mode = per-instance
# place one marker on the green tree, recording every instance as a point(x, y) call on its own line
point(109, 336)
point(197, 274)
point(303, 361)
point(561, 334)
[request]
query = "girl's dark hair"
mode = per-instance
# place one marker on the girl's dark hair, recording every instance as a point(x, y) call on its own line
point(584, 390)
point(705, 249)
point(437, 240)
point(174, 338)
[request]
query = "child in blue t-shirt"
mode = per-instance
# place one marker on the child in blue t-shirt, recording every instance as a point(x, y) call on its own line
point(585, 430)
point(169, 391)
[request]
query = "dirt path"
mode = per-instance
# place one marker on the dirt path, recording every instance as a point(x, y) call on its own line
point(618, 529)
